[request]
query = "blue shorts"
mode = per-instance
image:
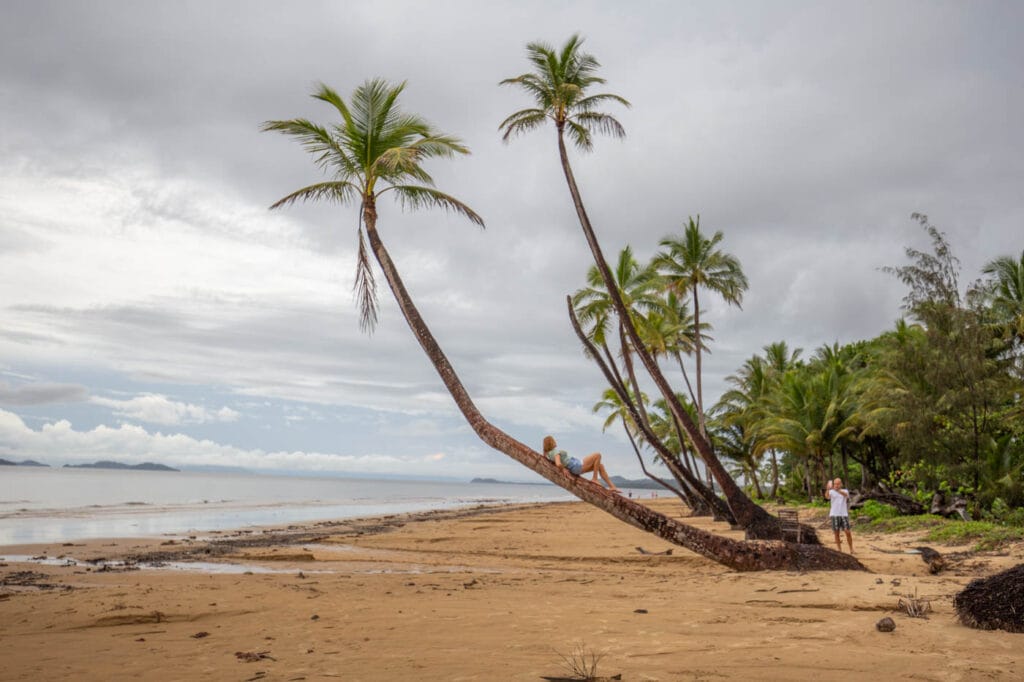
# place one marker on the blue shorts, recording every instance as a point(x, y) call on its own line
point(574, 466)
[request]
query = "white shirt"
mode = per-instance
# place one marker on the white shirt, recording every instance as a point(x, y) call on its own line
point(839, 502)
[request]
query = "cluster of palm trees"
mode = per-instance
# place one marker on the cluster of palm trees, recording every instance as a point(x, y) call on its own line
point(376, 149)
point(663, 300)
point(933, 404)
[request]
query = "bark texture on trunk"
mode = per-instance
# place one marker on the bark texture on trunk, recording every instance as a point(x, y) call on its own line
point(739, 555)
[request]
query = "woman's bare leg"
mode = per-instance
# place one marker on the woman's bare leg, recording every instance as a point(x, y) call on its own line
point(592, 462)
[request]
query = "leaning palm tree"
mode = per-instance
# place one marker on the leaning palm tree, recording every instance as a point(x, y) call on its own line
point(691, 263)
point(559, 86)
point(377, 149)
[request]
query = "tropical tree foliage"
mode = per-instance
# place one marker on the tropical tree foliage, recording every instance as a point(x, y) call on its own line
point(932, 406)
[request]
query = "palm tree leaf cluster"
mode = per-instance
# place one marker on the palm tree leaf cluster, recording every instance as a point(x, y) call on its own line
point(374, 149)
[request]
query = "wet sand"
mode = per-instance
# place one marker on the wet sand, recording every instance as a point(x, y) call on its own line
point(487, 594)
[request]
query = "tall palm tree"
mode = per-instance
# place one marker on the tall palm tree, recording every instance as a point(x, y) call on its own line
point(559, 87)
point(376, 148)
point(694, 262)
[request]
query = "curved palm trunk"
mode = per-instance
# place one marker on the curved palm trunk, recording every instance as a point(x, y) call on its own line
point(741, 556)
point(756, 521)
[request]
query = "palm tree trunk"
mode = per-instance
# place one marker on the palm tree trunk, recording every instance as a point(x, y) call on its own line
point(775, 476)
point(700, 384)
point(719, 509)
point(755, 520)
point(681, 492)
point(686, 378)
point(738, 555)
point(757, 485)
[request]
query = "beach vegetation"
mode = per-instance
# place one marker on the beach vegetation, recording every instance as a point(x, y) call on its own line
point(581, 662)
point(874, 511)
point(984, 534)
point(928, 413)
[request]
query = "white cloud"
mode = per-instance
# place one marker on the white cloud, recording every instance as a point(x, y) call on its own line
point(158, 409)
point(59, 442)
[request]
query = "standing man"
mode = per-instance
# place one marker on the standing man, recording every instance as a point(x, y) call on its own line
point(839, 512)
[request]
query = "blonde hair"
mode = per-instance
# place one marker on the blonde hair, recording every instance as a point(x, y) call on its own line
point(549, 444)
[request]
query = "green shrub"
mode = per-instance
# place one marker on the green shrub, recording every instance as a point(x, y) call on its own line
point(874, 511)
point(1004, 514)
point(901, 524)
point(988, 535)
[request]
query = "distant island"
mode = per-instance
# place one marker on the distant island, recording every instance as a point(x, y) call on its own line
point(104, 464)
point(619, 481)
point(23, 463)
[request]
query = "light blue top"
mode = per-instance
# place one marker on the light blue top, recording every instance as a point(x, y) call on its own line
point(561, 454)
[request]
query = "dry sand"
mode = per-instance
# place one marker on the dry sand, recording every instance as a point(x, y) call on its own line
point(496, 594)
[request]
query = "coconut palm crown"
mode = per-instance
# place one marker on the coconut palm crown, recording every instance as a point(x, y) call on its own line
point(376, 148)
point(559, 84)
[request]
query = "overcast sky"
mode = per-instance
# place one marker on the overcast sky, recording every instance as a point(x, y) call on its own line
point(152, 308)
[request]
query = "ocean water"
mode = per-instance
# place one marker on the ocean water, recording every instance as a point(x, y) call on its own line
point(41, 505)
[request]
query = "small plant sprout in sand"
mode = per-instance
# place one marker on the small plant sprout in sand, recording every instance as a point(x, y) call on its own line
point(581, 663)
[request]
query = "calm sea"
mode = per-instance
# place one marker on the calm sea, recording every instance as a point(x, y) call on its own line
point(61, 505)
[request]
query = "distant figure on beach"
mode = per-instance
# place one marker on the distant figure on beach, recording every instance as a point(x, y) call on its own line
point(839, 512)
point(590, 463)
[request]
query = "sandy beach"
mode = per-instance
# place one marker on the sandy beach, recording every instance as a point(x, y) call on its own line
point(485, 594)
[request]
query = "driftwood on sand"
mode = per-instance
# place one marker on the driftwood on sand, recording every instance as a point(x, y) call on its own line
point(993, 603)
point(936, 562)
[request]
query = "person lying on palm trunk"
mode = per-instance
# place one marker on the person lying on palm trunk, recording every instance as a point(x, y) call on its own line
point(590, 463)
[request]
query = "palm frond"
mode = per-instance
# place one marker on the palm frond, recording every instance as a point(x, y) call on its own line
point(316, 140)
point(590, 102)
point(435, 145)
point(601, 123)
point(365, 288)
point(580, 135)
point(326, 94)
point(341, 192)
point(414, 197)
point(522, 122)
point(401, 163)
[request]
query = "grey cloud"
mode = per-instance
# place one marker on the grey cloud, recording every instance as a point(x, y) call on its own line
point(41, 394)
point(806, 132)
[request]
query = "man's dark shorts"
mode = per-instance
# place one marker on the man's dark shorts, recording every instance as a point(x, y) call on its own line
point(840, 523)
